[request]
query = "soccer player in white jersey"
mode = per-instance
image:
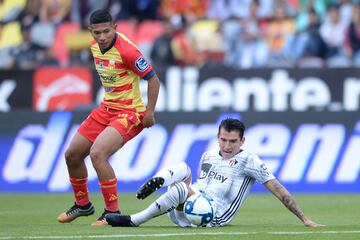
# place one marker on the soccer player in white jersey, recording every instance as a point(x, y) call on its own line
point(227, 175)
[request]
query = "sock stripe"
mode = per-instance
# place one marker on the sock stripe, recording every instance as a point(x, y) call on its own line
point(78, 181)
point(108, 186)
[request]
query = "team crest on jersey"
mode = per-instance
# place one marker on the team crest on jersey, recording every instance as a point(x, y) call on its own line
point(232, 162)
point(141, 64)
point(111, 64)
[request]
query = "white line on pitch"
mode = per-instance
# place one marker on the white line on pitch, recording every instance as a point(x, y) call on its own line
point(176, 234)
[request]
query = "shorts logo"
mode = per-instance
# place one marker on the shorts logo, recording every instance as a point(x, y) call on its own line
point(141, 64)
point(123, 120)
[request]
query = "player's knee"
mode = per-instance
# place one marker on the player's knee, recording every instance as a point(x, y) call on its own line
point(97, 156)
point(179, 192)
point(73, 157)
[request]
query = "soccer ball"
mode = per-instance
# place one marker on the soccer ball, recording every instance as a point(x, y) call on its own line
point(199, 209)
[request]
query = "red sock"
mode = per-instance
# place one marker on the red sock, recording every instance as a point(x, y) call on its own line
point(109, 192)
point(80, 190)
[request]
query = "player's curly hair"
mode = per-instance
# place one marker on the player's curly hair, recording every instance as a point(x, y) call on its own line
point(232, 124)
point(100, 16)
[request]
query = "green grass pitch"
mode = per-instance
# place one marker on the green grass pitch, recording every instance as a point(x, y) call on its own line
point(33, 216)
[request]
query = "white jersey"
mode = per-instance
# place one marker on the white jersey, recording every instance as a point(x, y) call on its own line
point(229, 181)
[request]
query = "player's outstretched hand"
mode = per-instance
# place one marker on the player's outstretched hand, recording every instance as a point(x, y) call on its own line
point(149, 119)
point(310, 223)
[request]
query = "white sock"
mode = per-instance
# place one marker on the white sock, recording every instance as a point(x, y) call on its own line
point(175, 174)
point(165, 203)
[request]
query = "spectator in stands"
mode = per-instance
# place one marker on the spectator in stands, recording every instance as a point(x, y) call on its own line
point(81, 10)
point(332, 31)
point(277, 33)
point(251, 50)
point(161, 52)
point(345, 11)
point(352, 43)
point(219, 9)
point(183, 47)
point(9, 26)
point(145, 9)
point(55, 11)
point(171, 8)
point(315, 45)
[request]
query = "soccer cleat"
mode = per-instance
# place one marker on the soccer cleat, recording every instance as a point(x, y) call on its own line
point(118, 220)
point(149, 187)
point(101, 221)
point(76, 211)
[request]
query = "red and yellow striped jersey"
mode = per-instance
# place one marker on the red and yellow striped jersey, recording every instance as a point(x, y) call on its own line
point(120, 69)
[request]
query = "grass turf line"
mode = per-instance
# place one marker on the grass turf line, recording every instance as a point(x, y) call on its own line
point(23, 216)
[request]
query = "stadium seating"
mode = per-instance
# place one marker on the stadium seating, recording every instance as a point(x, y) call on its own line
point(128, 28)
point(148, 31)
point(59, 47)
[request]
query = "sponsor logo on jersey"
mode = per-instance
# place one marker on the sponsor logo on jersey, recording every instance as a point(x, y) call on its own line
point(206, 172)
point(232, 162)
point(141, 64)
point(205, 168)
point(107, 78)
point(109, 89)
point(101, 64)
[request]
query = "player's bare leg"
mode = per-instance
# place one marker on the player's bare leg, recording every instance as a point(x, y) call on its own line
point(76, 153)
point(106, 144)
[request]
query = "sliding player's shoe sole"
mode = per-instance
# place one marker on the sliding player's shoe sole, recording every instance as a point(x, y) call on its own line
point(149, 187)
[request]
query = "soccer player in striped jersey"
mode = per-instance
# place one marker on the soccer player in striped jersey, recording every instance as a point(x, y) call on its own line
point(121, 115)
point(227, 175)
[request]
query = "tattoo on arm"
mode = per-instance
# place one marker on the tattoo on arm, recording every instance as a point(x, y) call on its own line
point(286, 198)
point(289, 202)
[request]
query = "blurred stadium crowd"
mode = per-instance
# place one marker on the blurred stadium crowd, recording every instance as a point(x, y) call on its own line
point(237, 33)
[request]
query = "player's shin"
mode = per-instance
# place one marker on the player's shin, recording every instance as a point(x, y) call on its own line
point(80, 190)
point(167, 202)
point(109, 192)
point(175, 174)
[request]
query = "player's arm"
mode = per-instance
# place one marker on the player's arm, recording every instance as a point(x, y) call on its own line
point(136, 62)
point(287, 199)
point(153, 87)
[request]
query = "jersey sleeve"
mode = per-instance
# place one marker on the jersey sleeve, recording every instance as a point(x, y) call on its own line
point(257, 169)
point(136, 62)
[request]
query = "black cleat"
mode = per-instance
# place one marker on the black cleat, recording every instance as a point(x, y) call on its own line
point(75, 212)
point(118, 220)
point(149, 187)
point(101, 220)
